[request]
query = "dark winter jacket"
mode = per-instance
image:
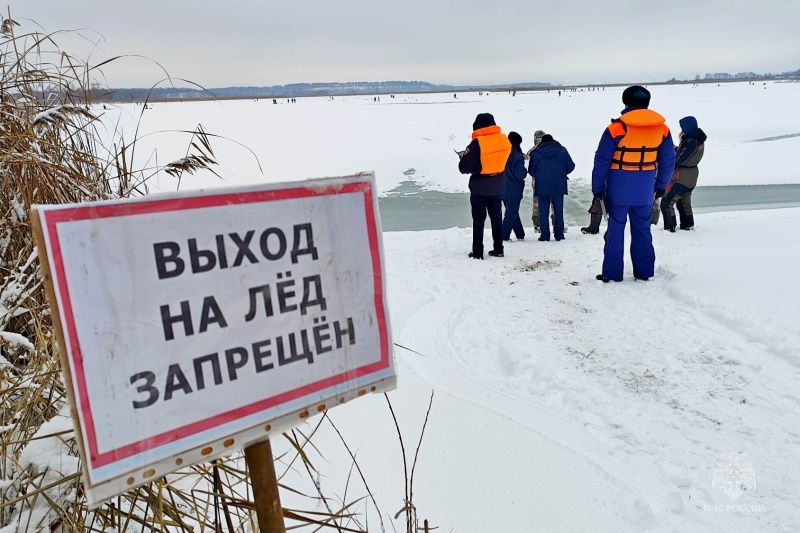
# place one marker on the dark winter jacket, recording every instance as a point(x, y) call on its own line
point(472, 163)
point(515, 174)
point(549, 165)
point(688, 153)
point(631, 187)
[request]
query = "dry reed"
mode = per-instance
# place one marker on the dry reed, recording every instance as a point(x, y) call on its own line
point(51, 152)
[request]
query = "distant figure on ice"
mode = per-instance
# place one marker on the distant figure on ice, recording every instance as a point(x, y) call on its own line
point(550, 163)
point(515, 188)
point(634, 158)
point(485, 160)
point(688, 154)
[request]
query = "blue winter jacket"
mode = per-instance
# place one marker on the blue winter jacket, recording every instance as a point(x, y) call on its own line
point(549, 165)
point(515, 174)
point(630, 187)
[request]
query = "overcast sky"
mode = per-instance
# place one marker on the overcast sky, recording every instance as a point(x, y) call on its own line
point(258, 42)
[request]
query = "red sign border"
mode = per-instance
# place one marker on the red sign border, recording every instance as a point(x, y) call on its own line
point(53, 217)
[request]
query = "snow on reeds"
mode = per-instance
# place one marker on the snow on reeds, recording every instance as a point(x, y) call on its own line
point(50, 153)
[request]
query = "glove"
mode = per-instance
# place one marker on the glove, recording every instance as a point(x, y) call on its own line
point(599, 196)
point(659, 193)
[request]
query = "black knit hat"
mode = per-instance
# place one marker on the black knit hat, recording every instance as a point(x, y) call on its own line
point(546, 138)
point(484, 120)
point(636, 96)
point(515, 138)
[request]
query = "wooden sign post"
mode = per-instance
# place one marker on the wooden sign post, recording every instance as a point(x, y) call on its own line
point(261, 468)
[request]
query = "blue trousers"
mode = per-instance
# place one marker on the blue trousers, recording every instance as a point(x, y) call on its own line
point(481, 205)
point(558, 213)
point(511, 219)
point(643, 255)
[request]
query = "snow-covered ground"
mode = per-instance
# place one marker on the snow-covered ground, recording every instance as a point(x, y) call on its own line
point(612, 405)
point(565, 404)
point(560, 403)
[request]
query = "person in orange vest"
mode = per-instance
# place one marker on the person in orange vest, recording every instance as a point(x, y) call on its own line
point(634, 160)
point(485, 161)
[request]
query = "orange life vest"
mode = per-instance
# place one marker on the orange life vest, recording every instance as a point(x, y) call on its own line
point(495, 149)
point(642, 132)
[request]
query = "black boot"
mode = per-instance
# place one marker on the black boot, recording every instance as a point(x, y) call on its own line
point(685, 211)
point(669, 219)
point(594, 225)
point(473, 255)
point(496, 253)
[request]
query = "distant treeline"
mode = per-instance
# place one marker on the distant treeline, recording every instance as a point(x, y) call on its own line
point(356, 88)
point(287, 91)
point(746, 76)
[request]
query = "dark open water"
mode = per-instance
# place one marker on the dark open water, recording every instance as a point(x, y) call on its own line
point(410, 207)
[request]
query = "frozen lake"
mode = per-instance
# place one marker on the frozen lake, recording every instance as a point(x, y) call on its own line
point(408, 141)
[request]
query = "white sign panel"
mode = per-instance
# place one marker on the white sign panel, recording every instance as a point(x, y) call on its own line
point(196, 323)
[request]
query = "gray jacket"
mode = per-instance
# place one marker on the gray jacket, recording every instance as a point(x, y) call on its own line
point(687, 156)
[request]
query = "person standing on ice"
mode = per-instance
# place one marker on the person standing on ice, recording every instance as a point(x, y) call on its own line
point(634, 159)
point(537, 138)
point(485, 160)
point(515, 188)
point(684, 179)
point(551, 163)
